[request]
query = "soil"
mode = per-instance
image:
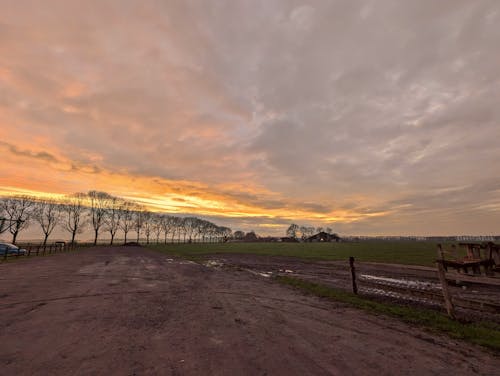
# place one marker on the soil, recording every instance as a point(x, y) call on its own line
point(133, 311)
point(385, 282)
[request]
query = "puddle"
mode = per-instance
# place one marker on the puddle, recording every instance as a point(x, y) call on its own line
point(401, 282)
point(397, 295)
point(213, 264)
point(285, 271)
point(187, 262)
point(262, 274)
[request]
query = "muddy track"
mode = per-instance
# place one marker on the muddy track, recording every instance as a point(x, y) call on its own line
point(402, 284)
point(131, 311)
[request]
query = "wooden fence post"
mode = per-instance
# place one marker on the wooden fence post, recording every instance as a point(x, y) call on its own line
point(440, 252)
point(353, 275)
point(446, 292)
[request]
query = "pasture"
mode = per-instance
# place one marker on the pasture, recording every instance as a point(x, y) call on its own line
point(392, 252)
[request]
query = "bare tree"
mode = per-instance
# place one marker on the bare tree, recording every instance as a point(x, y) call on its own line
point(319, 229)
point(147, 224)
point(18, 211)
point(303, 232)
point(226, 233)
point(176, 226)
point(167, 225)
point(238, 235)
point(73, 214)
point(213, 230)
point(113, 216)
point(138, 221)
point(202, 227)
point(182, 229)
point(127, 218)
point(4, 222)
point(99, 202)
point(48, 214)
point(292, 230)
point(189, 228)
point(329, 230)
point(156, 226)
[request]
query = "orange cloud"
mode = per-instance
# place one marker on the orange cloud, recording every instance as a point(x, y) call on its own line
point(28, 170)
point(74, 89)
point(5, 75)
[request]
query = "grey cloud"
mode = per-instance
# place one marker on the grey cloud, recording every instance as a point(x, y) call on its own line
point(40, 155)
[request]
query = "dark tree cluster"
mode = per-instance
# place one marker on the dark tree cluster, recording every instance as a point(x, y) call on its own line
point(295, 231)
point(103, 213)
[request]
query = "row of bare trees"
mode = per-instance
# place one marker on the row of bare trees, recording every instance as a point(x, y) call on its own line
point(103, 213)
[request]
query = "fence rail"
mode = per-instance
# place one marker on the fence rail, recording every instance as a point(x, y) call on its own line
point(436, 292)
point(30, 250)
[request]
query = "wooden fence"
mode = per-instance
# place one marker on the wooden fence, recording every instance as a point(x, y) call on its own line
point(38, 249)
point(30, 250)
point(449, 290)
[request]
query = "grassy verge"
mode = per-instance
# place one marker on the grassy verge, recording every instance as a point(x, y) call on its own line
point(396, 252)
point(486, 334)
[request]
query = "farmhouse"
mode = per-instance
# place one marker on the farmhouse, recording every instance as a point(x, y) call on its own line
point(323, 237)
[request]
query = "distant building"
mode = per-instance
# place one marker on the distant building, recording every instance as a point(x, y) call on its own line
point(323, 237)
point(288, 239)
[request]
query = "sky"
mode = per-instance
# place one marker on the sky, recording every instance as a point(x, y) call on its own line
point(369, 117)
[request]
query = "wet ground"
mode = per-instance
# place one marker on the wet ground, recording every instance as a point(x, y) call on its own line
point(415, 285)
point(132, 311)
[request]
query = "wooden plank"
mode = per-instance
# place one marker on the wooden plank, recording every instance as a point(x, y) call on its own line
point(454, 276)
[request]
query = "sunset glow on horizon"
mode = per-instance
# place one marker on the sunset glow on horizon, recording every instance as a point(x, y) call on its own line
point(258, 114)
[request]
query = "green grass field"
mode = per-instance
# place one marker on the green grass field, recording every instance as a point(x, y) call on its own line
point(395, 252)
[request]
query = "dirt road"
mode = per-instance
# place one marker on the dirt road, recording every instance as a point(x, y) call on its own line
point(132, 311)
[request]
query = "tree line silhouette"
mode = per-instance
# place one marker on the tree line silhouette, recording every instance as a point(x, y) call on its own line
point(295, 230)
point(103, 213)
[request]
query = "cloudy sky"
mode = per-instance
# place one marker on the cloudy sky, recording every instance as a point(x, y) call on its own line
point(372, 117)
